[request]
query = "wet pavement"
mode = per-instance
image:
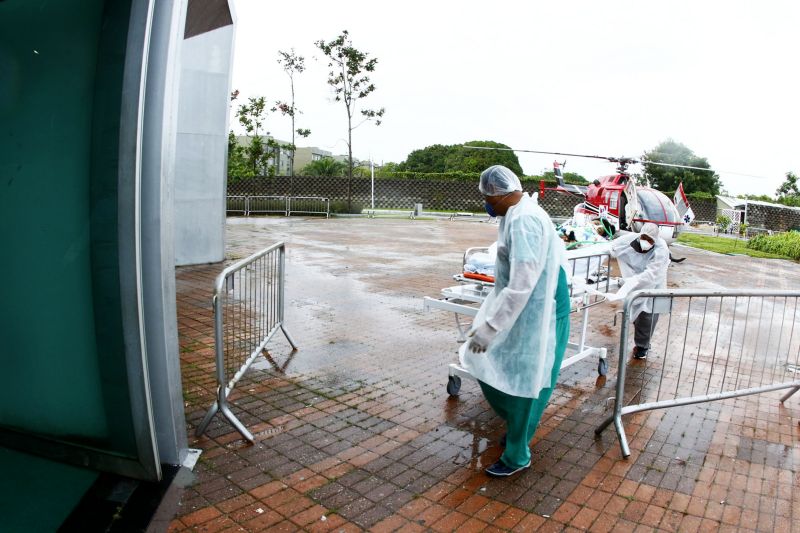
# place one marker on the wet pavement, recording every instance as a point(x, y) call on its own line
point(355, 431)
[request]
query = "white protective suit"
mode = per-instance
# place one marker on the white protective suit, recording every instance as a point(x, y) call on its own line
point(521, 307)
point(640, 270)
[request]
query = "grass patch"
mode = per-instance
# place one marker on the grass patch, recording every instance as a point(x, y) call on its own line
point(724, 245)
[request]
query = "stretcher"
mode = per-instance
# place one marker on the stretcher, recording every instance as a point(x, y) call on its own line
point(589, 276)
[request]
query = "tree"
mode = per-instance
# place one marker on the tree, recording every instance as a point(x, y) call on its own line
point(470, 160)
point(351, 83)
point(327, 166)
point(758, 197)
point(429, 159)
point(389, 167)
point(457, 158)
point(668, 178)
point(292, 64)
point(788, 187)
point(237, 165)
point(259, 152)
point(237, 161)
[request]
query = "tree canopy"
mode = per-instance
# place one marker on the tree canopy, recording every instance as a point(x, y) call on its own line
point(668, 178)
point(456, 158)
point(255, 155)
point(789, 192)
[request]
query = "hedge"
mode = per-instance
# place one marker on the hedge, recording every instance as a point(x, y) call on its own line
point(787, 244)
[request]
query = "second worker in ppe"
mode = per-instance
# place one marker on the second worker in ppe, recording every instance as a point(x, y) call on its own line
point(519, 336)
point(643, 259)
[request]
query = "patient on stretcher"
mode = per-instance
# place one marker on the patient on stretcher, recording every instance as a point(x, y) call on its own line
point(480, 265)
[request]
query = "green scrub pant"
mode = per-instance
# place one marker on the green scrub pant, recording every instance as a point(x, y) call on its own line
point(522, 415)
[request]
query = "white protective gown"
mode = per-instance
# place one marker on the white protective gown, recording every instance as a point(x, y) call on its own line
point(641, 270)
point(519, 361)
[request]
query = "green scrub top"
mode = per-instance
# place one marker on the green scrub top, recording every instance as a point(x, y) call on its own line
point(563, 305)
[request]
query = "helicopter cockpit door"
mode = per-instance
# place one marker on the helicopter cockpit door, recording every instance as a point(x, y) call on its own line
point(631, 206)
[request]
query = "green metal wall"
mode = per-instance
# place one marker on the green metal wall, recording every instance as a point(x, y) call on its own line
point(61, 341)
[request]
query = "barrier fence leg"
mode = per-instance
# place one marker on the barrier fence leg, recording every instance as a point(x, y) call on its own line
point(236, 423)
point(603, 425)
point(619, 396)
point(623, 440)
point(789, 394)
point(289, 338)
point(221, 405)
point(207, 419)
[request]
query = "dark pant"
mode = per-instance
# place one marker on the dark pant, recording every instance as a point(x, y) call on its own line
point(644, 325)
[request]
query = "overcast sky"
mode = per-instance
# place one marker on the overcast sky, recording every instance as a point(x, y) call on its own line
point(594, 77)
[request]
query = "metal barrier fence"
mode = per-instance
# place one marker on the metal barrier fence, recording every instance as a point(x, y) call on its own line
point(308, 205)
point(266, 205)
point(237, 204)
point(285, 205)
point(248, 310)
point(716, 345)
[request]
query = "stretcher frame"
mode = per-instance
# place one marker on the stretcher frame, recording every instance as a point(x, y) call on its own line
point(466, 298)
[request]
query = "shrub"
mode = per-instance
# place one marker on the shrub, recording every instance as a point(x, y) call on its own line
point(327, 166)
point(787, 244)
point(723, 221)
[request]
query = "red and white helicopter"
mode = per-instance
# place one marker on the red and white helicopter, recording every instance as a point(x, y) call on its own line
point(617, 198)
point(626, 205)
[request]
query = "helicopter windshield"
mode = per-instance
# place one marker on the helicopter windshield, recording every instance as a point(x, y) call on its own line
point(656, 207)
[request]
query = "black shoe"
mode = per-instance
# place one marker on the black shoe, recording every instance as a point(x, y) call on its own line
point(639, 353)
point(499, 469)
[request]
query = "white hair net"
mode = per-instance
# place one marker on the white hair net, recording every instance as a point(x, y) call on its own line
point(651, 230)
point(498, 180)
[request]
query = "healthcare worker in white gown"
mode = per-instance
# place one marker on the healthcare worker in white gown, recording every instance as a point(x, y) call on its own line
point(518, 338)
point(643, 259)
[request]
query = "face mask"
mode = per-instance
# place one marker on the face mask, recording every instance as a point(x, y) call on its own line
point(644, 245)
point(489, 209)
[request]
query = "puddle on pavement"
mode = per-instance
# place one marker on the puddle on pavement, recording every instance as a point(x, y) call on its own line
point(347, 319)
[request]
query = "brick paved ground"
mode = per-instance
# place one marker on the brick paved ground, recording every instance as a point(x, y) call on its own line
point(356, 432)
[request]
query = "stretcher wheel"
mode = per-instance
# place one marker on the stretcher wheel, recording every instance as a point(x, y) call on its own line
point(453, 385)
point(602, 367)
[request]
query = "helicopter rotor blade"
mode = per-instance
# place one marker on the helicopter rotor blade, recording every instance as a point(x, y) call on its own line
point(628, 160)
point(533, 151)
point(645, 162)
point(701, 168)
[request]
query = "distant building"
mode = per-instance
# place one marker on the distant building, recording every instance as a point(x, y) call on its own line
point(303, 155)
point(758, 215)
point(307, 154)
